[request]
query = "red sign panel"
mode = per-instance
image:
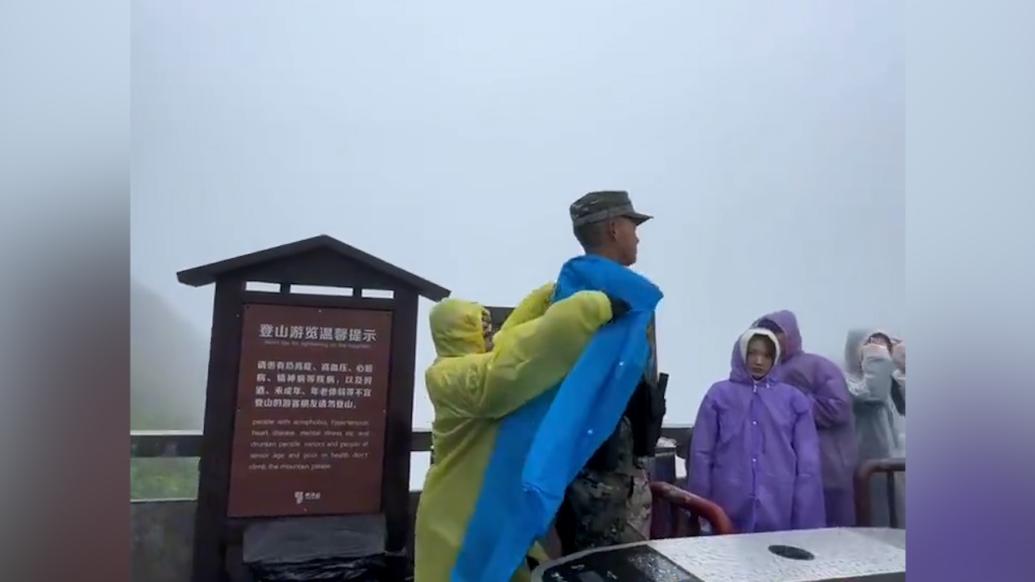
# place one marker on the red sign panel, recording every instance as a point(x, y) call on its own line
point(312, 397)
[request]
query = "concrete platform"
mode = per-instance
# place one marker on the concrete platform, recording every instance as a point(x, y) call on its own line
point(872, 554)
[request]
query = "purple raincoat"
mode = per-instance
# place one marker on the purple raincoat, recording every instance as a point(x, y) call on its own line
point(824, 383)
point(755, 452)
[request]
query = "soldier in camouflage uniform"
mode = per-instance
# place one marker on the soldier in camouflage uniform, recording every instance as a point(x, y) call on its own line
point(607, 506)
point(609, 502)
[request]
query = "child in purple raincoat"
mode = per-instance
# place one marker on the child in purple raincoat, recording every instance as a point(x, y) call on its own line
point(755, 450)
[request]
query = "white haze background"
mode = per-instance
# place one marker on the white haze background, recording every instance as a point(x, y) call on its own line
point(450, 137)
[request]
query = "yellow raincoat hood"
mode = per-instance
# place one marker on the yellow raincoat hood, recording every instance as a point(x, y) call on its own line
point(456, 328)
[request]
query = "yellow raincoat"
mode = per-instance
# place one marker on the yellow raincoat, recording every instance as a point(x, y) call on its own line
point(472, 390)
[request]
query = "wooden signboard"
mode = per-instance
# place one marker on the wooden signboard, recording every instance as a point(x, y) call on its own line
point(309, 402)
point(312, 401)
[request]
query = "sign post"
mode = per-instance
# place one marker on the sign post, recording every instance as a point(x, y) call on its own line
point(309, 401)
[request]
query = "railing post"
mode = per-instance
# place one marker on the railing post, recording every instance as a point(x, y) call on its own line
point(683, 502)
point(862, 488)
point(892, 505)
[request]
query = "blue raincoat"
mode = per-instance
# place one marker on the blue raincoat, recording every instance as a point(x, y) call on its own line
point(541, 447)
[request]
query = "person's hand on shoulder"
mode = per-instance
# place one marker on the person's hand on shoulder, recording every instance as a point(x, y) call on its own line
point(619, 307)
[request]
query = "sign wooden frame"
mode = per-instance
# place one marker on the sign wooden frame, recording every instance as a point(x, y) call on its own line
point(372, 284)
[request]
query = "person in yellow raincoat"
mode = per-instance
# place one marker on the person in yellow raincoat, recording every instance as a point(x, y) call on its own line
point(474, 383)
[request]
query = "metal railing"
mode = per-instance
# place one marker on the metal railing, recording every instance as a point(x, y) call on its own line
point(863, 475)
point(676, 513)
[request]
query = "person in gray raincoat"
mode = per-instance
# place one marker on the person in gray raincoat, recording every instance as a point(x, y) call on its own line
point(875, 373)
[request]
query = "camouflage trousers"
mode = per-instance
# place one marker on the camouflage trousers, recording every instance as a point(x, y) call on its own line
point(605, 509)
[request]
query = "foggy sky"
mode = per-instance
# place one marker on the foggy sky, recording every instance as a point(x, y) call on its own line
point(450, 137)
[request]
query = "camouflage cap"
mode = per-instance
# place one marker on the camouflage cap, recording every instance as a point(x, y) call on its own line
point(602, 205)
